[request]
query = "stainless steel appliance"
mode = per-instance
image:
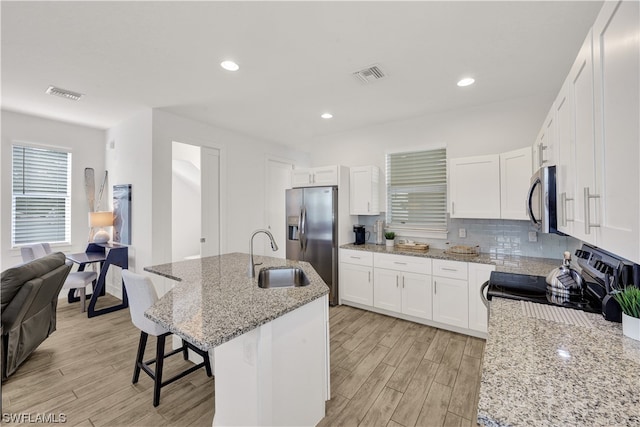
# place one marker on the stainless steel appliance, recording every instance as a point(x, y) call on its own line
point(601, 273)
point(541, 200)
point(312, 232)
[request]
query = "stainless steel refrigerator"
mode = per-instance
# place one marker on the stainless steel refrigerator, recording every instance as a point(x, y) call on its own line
point(312, 232)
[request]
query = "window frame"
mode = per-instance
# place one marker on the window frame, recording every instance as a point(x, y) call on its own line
point(67, 197)
point(413, 230)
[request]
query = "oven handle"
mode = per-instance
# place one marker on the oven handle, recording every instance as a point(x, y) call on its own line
point(484, 299)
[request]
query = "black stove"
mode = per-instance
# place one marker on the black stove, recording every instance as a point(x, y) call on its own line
point(534, 288)
point(602, 274)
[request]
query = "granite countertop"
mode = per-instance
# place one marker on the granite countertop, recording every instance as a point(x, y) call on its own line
point(216, 301)
point(503, 263)
point(545, 373)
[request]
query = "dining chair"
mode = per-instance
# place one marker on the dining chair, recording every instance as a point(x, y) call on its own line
point(142, 295)
point(78, 280)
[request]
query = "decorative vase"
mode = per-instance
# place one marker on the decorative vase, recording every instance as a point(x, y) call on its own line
point(390, 243)
point(631, 327)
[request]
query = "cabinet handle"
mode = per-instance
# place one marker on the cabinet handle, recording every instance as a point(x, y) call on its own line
point(453, 208)
point(449, 269)
point(368, 207)
point(396, 281)
point(400, 263)
point(435, 287)
point(402, 282)
point(542, 148)
point(354, 257)
point(563, 201)
point(587, 211)
point(369, 276)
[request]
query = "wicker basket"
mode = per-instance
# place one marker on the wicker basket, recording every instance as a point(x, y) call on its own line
point(463, 250)
point(415, 247)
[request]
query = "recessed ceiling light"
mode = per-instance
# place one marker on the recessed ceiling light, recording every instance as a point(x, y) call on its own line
point(229, 65)
point(326, 115)
point(466, 82)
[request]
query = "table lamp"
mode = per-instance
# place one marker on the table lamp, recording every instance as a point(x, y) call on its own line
point(100, 220)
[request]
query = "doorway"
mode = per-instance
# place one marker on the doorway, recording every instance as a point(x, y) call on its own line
point(195, 201)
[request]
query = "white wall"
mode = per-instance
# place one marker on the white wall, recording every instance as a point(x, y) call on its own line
point(88, 150)
point(129, 162)
point(486, 129)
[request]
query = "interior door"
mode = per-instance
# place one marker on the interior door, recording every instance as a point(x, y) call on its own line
point(277, 182)
point(210, 201)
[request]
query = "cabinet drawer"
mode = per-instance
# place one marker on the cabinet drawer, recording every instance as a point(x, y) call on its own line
point(452, 269)
point(356, 257)
point(403, 263)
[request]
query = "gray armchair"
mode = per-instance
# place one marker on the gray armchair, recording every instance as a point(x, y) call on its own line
point(28, 302)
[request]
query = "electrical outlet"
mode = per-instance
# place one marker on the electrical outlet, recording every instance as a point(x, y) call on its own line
point(533, 236)
point(462, 233)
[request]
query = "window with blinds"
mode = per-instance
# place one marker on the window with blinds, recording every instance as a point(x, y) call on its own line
point(417, 190)
point(41, 196)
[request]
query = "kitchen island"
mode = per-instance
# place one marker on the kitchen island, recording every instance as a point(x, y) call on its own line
point(268, 347)
point(549, 373)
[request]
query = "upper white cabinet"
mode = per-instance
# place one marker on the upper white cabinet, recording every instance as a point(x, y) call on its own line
point(515, 174)
point(587, 189)
point(616, 65)
point(545, 148)
point(493, 186)
point(315, 177)
point(474, 187)
point(364, 190)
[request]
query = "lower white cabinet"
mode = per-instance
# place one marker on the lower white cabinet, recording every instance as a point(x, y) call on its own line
point(356, 283)
point(478, 274)
point(402, 292)
point(450, 301)
point(442, 293)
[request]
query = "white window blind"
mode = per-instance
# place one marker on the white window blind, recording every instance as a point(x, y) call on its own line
point(417, 190)
point(41, 196)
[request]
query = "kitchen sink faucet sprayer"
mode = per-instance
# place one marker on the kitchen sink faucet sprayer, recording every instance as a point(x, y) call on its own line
point(274, 246)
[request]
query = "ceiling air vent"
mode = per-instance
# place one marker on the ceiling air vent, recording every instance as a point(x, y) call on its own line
point(369, 75)
point(63, 93)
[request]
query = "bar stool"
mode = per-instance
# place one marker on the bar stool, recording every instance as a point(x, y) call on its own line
point(142, 295)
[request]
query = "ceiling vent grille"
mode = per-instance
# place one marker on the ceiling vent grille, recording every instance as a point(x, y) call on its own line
point(369, 75)
point(63, 93)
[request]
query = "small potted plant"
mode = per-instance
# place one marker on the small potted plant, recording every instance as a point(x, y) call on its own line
point(389, 235)
point(629, 300)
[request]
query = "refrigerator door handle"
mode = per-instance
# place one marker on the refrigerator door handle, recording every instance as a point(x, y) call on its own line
point(300, 232)
point(303, 229)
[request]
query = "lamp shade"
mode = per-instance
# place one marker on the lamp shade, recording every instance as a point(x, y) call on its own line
point(100, 219)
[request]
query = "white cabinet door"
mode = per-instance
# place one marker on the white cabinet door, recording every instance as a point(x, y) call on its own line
point(327, 175)
point(386, 289)
point(616, 43)
point(356, 283)
point(565, 168)
point(416, 295)
point(301, 177)
point(547, 141)
point(515, 174)
point(474, 185)
point(450, 301)
point(364, 190)
point(478, 274)
point(581, 86)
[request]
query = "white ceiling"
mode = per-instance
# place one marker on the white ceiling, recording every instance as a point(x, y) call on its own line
point(296, 59)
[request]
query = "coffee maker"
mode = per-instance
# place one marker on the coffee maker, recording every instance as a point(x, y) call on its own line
point(360, 234)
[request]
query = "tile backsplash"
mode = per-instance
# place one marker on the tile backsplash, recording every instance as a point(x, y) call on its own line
point(497, 236)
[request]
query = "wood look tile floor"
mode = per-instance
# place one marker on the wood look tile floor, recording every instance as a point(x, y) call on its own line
point(384, 372)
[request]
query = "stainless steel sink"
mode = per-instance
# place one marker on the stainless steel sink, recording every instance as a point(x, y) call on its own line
point(282, 277)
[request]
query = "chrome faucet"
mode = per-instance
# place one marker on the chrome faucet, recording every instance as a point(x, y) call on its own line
point(274, 246)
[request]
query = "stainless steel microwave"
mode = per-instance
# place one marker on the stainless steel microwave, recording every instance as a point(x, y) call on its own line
point(541, 200)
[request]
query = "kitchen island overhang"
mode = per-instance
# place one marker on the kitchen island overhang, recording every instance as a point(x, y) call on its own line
point(269, 347)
